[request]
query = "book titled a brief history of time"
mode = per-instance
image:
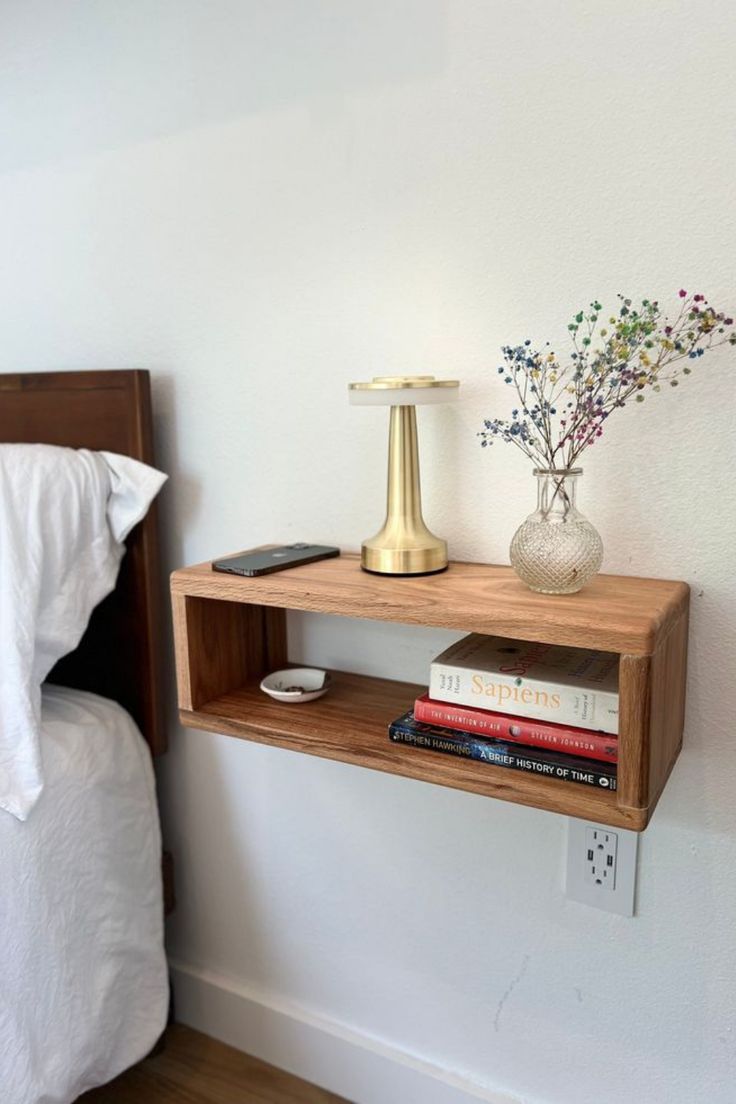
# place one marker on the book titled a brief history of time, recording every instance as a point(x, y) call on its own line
point(549, 764)
point(547, 682)
point(518, 730)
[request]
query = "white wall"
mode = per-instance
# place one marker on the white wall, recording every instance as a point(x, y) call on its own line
point(260, 201)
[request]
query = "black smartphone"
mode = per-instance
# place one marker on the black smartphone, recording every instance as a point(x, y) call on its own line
point(265, 560)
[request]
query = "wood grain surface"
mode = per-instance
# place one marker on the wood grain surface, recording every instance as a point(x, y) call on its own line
point(613, 613)
point(229, 631)
point(194, 1069)
point(350, 725)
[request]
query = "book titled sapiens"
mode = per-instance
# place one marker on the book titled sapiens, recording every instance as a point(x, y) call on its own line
point(547, 682)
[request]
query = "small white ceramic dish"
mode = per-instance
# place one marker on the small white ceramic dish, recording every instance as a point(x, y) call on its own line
point(296, 684)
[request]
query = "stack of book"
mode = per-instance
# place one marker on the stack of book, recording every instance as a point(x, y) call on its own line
point(541, 708)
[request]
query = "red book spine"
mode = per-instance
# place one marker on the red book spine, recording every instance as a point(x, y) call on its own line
point(518, 730)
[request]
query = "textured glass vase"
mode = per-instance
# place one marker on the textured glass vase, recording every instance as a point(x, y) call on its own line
point(556, 550)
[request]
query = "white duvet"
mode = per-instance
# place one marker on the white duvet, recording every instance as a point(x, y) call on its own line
point(83, 982)
point(64, 515)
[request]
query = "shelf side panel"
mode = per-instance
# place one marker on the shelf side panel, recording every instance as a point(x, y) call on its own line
point(669, 678)
point(634, 731)
point(274, 628)
point(652, 695)
point(220, 645)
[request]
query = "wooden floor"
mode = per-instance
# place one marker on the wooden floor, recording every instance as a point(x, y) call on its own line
point(194, 1069)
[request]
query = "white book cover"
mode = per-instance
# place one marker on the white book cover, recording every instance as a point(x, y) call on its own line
point(547, 682)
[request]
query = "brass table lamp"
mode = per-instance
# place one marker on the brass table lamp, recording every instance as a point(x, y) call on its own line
point(404, 546)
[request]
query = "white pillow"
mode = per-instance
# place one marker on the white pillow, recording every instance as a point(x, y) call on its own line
point(64, 514)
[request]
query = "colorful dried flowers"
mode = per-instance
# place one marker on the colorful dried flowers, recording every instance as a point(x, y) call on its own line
point(562, 408)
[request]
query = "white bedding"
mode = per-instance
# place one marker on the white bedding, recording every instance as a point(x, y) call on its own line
point(83, 981)
point(64, 514)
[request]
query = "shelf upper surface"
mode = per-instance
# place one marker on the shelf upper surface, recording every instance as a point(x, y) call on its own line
point(615, 613)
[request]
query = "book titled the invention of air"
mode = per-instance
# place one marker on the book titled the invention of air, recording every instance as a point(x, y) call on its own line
point(571, 686)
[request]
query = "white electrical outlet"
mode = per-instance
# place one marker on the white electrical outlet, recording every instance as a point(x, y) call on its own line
point(601, 846)
point(601, 866)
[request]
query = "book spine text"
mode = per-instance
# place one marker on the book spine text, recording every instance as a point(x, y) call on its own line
point(540, 701)
point(502, 757)
point(518, 730)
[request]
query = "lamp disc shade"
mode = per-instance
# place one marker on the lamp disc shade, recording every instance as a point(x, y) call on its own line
point(403, 391)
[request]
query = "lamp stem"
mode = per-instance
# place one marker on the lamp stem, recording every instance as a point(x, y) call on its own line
point(404, 546)
point(404, 500)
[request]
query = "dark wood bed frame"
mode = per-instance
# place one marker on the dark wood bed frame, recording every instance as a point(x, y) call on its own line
point(120, 654)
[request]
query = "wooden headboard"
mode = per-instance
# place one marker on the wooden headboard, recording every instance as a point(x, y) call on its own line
point(119, 656)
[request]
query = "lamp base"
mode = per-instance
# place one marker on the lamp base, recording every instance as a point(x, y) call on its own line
point(404, 545)
point(382, 560)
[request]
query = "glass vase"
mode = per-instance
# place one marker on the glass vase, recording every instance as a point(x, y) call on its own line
point(556, 550)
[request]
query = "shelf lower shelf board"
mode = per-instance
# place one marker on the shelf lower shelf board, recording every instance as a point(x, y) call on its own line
point(350, 724)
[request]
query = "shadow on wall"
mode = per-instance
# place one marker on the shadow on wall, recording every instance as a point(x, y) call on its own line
point(183, 491)
point(115, 75)
point(187, 489)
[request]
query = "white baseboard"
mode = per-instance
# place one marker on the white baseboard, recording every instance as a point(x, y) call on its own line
point(355, 1066)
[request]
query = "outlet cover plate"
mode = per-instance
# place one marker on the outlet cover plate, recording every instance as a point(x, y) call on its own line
point(601, 866)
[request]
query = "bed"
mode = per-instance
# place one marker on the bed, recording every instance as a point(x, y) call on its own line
point(83, 986)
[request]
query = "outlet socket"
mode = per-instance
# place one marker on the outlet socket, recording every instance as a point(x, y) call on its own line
point(601, 847)
point(601, 866)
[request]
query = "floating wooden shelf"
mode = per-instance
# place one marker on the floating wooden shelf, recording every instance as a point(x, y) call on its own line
point(231, 630)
